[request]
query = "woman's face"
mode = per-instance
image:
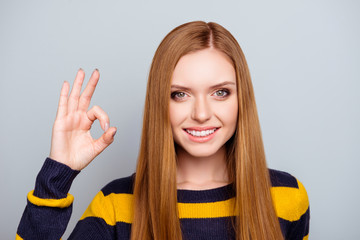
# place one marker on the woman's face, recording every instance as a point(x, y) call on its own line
point(203, 104)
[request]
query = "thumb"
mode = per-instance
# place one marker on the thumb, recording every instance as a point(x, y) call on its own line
point(105, 140)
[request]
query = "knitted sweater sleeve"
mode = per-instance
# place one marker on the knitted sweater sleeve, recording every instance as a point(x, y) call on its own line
point(49, 205)
point(291, 204)
point(299, 229)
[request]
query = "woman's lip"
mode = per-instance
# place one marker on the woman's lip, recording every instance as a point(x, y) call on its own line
point(201, 128)
point(200, 139)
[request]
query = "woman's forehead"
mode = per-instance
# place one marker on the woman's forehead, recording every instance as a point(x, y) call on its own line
point(205, 68)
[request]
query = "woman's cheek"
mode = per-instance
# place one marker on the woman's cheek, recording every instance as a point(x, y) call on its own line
point(227, 111)
point(178, 113)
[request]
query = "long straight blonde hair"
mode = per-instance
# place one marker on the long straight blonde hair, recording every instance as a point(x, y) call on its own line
point(155, 190)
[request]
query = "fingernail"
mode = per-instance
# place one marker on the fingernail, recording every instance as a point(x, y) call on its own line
point(97, 70)
point(106, 126)
point(80, 69)
point(114, 133)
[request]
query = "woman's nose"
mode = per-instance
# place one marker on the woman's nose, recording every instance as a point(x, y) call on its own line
point(201, 110)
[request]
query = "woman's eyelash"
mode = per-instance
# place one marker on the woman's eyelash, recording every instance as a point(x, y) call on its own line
point(223, 93)
point(176, 94)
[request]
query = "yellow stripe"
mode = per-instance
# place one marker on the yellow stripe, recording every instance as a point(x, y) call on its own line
point(42, 202)
point(207, 210)
point(290, 203)
point(103, 207)
point(17, 237)
point(306, 237)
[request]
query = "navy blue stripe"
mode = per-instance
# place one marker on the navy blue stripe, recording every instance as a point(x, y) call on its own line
point(285, 226)
point(96, 229)
point(299, 229)
point(121, 185)
point(123, 230)
point(201, 229)
point(207, 228)
point(296, 230)
point(204, 196)
point(92, 228)
point(282, 179)
point(43, 222)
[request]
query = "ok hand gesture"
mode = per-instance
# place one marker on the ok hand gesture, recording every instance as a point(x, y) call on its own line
point(71, 142)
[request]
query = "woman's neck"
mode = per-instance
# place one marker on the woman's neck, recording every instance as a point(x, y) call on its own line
point(199, 173)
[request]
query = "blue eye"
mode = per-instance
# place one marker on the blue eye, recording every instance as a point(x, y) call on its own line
point(178, 95)
point(222, 93)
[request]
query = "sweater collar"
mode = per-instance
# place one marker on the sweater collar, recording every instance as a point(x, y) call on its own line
point(208, 195)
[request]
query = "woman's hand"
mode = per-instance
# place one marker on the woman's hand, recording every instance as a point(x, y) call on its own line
point(71, 142)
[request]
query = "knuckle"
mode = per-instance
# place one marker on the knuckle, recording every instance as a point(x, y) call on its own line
point(96, 107)
point(74, 96)
point(86, 98)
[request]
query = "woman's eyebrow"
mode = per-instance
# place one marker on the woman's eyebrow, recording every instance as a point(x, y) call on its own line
point(214, 86)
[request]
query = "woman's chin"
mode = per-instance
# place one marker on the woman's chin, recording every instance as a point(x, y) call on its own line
point(199, 152)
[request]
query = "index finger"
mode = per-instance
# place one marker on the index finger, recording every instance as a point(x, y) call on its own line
point(87, 94)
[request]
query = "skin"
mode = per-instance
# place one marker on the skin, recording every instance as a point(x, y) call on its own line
point(202, 165)
point(71, 142)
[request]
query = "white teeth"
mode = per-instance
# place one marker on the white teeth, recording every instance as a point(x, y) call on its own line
point(201, 133)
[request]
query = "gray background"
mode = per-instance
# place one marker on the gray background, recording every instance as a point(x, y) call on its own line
point(304, 60)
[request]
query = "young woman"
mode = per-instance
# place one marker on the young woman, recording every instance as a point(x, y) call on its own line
point(201, 171)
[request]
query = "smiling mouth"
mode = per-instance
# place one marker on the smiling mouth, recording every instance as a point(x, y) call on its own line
point(202, 133)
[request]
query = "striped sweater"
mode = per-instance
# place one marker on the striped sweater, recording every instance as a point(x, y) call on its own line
point(204, 214)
